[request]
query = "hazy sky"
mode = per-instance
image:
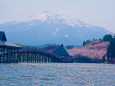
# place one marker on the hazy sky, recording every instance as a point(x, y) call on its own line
point(94, 12)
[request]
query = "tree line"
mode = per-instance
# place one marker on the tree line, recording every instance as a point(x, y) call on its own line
point(111, 48)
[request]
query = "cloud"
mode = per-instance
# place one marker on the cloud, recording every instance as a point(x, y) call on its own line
point(57, 29)
point(54, 33)
point(66, 35)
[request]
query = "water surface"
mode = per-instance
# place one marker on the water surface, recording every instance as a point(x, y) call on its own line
point(57, 74)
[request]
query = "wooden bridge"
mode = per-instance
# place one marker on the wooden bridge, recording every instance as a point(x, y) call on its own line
point(13, 55)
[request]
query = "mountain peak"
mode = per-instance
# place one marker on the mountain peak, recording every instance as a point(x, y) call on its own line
point(50, 17)
point(47, 28)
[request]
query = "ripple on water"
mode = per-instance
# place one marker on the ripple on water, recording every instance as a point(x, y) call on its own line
point(58, 74)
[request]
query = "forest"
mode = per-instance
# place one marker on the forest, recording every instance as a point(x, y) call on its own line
point(111, 48)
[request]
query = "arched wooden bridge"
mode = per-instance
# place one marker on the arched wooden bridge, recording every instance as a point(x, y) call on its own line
point(34, 55)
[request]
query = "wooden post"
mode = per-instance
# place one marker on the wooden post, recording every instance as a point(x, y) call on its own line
point(22, 58)
point(19, 55)
point(35, 58)
point(0, 58)
point(7, 53)
point(27, 56)
point(0, 54)
point(3, 55)
point(12, 55)
point(15, 56)
point(45, 59)
point(41, 58)
point(48, 59)
point(31, 57)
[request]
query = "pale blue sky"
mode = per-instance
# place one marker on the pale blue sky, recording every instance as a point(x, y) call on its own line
point(94, 12)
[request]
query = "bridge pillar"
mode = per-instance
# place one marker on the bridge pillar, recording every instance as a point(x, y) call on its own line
point(3, 55)
point(7, 54)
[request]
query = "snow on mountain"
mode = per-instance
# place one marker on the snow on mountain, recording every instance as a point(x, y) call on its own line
point(49, 28)
point(52, 18)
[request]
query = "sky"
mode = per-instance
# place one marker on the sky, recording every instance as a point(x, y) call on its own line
point(95, 12)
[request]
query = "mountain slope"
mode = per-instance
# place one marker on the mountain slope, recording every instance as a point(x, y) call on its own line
point(48, 29)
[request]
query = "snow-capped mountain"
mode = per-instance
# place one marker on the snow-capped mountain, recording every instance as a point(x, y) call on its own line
point(48, 28)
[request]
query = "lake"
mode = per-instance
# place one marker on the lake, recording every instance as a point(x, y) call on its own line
point(57, 74)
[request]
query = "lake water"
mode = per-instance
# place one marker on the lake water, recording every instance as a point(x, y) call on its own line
point(57, 74)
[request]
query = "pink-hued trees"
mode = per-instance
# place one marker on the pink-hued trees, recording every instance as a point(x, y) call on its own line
point(94, 50)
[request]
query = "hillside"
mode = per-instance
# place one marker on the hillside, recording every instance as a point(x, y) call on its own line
point(94, 50)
